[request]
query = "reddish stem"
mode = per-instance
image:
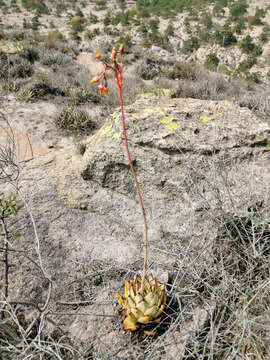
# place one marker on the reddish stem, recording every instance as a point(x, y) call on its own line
point(137, 186)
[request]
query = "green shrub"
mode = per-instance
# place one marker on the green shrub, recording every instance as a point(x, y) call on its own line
point(257, 18)
point(191, 45)
point(218, 8)
point(78, 12)
point(206, 20)
point(264, 37)
point(169, 31)
point(60, 8)
point(248, 46)
point(246, 65)
point(122, 4)
point(225, 37)
point(211, 62)
point(35, 23)
point(154, 25)
point(126, 41)
point(107, 19)
point(91, 34)
point(240, 26)
point(101, 4)
point(4, 68)
point(238, 9)
point(38, 5)
point(93, 18)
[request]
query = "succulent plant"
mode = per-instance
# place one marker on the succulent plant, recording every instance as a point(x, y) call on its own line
point(144, 299)
point(141, 306)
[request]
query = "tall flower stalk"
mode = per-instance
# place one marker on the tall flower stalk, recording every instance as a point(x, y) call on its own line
point(144, 298)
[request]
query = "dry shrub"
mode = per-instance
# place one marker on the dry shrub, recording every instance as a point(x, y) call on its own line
point(210, 86)
point(74, 119)
point(184, 70)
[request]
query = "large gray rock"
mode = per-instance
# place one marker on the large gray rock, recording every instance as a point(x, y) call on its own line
point(194, 160)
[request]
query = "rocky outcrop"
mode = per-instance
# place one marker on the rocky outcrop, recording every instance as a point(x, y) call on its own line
point(194, 160)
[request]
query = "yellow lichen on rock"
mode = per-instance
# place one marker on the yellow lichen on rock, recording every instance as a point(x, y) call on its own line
point(205, 118)
point(170, 124)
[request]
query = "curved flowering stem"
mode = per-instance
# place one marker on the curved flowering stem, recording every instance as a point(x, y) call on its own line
point(117, 68)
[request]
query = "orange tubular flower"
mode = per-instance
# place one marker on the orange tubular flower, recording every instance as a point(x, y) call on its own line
point(100, 89)
point(106, 90)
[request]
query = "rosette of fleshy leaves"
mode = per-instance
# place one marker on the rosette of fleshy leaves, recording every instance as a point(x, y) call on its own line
point(142, 305)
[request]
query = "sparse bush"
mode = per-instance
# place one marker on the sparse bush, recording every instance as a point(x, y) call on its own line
point(107, 19)
point(78, 12)
point(183, 70)
point(257, 18)
point(238, 9)
point(30, 54)
point(126, 41)
point(211, 62)
point(35, 23)
point(93, 18)
point(239, 26)
point(264, 37)
point(22, 70)
point(149, 69)
point(101, 4)
point(218, 8)
point(54, 36)
point(79, 96)
point(91, 34)
point(4, 68)
point(225, 37)
point(154, 25)
point(74, 119)
point(169, 31)
point(248, 46)
point(78, 24)
point(191, 45)
point(17, 35)
point(206, 20)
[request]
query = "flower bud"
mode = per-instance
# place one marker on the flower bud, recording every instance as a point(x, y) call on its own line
point(113, 54)
point(95, 79)
point(121, 49)
point(97, 54)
